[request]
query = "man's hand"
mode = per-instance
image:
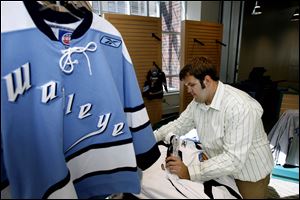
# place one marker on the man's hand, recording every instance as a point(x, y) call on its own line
point(176, 166)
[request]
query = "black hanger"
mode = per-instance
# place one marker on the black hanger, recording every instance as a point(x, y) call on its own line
point(221, 43)
point(62, 6)
point(155, 66)
point(156, 37)
point(72, 7)
point(199, 42)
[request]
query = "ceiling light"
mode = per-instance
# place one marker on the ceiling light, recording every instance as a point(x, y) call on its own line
point(257, 9)
point(295, 16)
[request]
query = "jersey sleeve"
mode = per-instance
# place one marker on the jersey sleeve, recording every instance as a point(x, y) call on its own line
point(147, 151)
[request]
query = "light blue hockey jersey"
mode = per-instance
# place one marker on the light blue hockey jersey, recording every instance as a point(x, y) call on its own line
point(73, 122)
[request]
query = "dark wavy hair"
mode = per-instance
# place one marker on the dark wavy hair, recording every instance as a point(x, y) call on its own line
point(199, 68)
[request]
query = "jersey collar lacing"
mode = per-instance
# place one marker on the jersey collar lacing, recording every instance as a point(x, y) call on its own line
point(67, 65)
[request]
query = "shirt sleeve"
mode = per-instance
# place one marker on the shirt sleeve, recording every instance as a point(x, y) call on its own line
point(239, 130)
point(180, 126)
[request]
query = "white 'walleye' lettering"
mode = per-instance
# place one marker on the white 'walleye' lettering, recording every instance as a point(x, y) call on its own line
point(48, 91)
point(18, 82)
point(21, 85)
point(102, 124)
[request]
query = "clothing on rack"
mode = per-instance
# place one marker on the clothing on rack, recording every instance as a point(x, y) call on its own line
point(284, 139)
point(73, 121)
point(155, 81)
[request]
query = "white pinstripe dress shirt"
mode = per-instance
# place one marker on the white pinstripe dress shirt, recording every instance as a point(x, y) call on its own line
point(231, 132)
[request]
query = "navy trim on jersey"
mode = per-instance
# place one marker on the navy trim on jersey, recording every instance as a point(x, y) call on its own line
point(136, 129)
point(176, 188)
point(132, 169)
point(59, 17)
point(98, 146)
point(57, 186)
point(134, 109)
point(145, 160)
point(208, 189)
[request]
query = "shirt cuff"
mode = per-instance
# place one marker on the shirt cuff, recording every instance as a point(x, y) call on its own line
point(168, 137)
point(156, 136)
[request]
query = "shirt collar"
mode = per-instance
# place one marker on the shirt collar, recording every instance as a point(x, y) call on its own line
point(216, 102)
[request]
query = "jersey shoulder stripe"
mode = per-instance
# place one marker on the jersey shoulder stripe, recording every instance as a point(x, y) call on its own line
point(19, 11)
point(101, 24)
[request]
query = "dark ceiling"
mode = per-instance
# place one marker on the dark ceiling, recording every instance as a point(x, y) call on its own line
point(279, 4)
point(276, 5)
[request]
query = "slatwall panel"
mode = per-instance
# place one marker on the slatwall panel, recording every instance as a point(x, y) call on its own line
point(289, 101)
point(143, 49)
point(207, 33)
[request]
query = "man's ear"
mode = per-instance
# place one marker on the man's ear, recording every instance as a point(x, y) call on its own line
point(207, 80)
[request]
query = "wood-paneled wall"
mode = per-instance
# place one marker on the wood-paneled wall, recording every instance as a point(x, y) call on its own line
point(289, 101)
point(143, 48)
point(206, 33)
